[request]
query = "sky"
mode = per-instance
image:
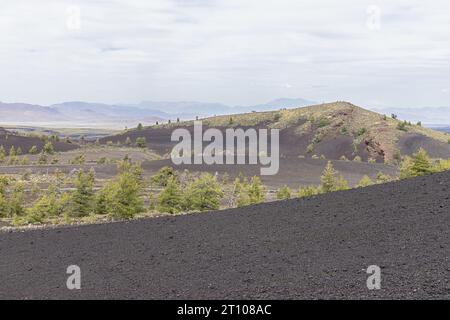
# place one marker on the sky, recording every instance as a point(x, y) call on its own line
point(237, 52)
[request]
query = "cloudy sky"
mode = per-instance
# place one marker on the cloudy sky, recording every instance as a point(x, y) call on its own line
point(372, 53)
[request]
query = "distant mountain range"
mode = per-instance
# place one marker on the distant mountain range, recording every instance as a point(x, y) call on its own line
point(82, 114)
point(118, 116)
point(443, 129)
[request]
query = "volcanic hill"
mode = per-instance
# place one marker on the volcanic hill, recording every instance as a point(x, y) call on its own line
point(338, 130)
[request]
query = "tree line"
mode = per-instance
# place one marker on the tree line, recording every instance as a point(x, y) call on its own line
point(125, 196)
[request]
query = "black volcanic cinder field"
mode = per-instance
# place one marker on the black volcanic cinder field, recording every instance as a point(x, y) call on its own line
point(315, 248)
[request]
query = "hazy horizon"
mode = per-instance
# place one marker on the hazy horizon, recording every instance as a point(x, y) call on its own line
point(376, 54)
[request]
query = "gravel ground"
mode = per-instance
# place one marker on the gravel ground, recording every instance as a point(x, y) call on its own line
point(316, 248)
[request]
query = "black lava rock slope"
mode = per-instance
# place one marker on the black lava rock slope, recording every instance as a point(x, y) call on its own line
point(316, 248)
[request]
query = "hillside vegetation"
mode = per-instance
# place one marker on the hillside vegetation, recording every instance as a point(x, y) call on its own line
point(338, 130)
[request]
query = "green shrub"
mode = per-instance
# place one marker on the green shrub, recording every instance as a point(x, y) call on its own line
point(45, 206)
point(48, 148)
point(256, 191)
point(284, 193)
point(361, 131)
point(383, 178)
point(443, 165)
point(308, 191)
point(12, 151)
point(163, 175)
point(79, 159)
point(402, 126)
point(102, 160)
point(328, 178)
point(364, 182)
point(141, 142)
point(43, 159)
point(120, 198)
point(406, 171)
point(151, 202)
point(248, 193)
point(11, 203)
point(422, 163)
point(203, 194)
point(322, 122)
point(418, 164)
point(3, 154)
point(341, 184)
point(82, 199)
point(170, 199)
point(4, 206)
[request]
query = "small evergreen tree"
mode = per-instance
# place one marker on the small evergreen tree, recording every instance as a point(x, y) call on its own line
point(2, 154)
point(151, 201)
point(46, 206)
point(284, 193)
point(402, 126)
point(422, 163)
point(33, 150)
point(240, 192)
point(121, 198)
point(43, 159)
point(170, 199)
point(48, 148)
point(141, 142)
point(308, 191)
point(364, 182)
point(25, 161)
point(163, 175)
point(341, 184)
point(383, 178)
point(83, 196)
point(203, 194)
point(16, 201)
point(256, 191)
point(328, 178)
point(4, 206)
point(12, 152)
point(406, 171)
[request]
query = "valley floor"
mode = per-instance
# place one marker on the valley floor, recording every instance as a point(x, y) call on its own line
point(313, 248)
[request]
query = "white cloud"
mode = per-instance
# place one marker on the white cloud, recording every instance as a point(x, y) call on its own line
point(232, 51)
